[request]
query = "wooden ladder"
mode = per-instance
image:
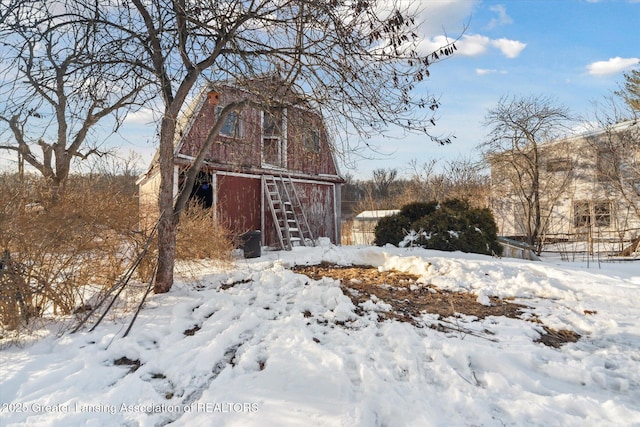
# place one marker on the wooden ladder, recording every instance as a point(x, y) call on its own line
point(298, 211)
point(287, 212)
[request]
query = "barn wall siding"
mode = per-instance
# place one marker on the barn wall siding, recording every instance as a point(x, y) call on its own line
point(319, 205)
point(239, 202)
point(245, 151)
point(300, 157)
point(149, 190)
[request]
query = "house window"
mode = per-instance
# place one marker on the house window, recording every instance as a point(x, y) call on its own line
point(559, 165)
point(231, 126)
point(601, 214)
point(581, 214)
point(312, 140)
point(586, 214)
point(273, 138)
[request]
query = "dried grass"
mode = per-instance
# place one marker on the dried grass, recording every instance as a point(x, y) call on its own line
point(199, 239)
point(409, 301)
point(201, 236)
point(60, 250)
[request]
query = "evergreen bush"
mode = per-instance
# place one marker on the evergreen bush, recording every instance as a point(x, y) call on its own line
point(449, 226)
point(391, 229)
point(416, 210)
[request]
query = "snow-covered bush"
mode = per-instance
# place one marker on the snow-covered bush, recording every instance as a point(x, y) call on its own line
point(452, 225)
point(392, 229)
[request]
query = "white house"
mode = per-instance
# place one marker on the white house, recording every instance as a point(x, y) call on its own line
point(589, 188)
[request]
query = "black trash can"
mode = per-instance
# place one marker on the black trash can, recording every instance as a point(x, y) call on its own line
point(251, 243)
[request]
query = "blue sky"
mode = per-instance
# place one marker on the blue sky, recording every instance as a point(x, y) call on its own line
point(574, 51)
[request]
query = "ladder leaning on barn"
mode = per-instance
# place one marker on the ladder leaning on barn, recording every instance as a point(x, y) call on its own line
point(290, 221)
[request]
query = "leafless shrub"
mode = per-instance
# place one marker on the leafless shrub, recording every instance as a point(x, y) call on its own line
point(57, 252)
point(461, 178)
point(346, 236)
point(201, 236)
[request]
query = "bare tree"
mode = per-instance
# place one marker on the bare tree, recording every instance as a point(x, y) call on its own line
point(461, 178)
point(518, 126)
point(466, 180)
point(615, 145)
point(59, 82)
point(356, 62)
point(382, 181)
point(630, 90)
point(421, 186)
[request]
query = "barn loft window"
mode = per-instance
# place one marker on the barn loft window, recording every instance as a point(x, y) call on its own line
point(231, 126)
point(312, 140)
point(274, 137)
point(562, 164)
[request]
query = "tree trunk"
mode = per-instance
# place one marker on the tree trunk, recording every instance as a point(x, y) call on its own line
point(166, 253)
point(168, 221)
point(536, 200)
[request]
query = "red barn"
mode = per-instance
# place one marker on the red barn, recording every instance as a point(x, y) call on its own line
point(270, 168)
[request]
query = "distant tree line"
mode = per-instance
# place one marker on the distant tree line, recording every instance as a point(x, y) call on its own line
point(461, 179)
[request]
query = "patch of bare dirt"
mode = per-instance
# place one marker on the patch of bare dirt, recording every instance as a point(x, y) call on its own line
point(410, 299)
point(555, 338)
point(125, 361)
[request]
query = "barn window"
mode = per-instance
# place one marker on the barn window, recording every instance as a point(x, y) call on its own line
point(312, 140)
point(274, 138)
point(231, 126)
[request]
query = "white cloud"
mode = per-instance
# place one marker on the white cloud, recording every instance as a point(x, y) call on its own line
point(450, 15)
point(428, 45)
point(144, 116)
point(467, 46)
point(509, 48)
point(501, 19)
point(473, 45)
point(612, 66)
point(433, 16)
point(485, 71)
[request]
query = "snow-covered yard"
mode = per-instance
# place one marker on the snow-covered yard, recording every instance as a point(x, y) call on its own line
point(262, 345)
